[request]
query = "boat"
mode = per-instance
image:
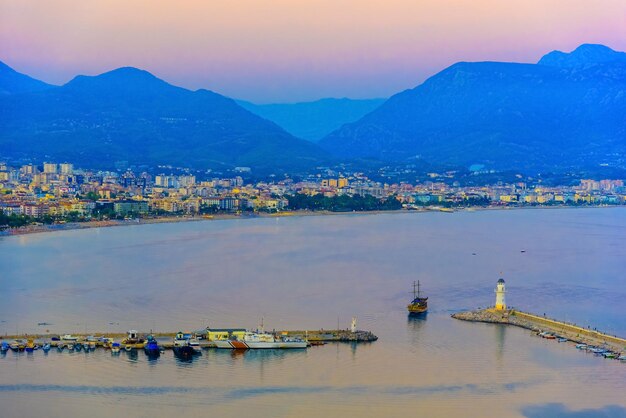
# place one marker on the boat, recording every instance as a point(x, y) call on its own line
point(151, 349)
point(4, 347)
point(133, 340)
point(182, 345)
point(261, 340)
point(609, 354)
point(562, 340)
point(30, 346)
point(46, 347)
point(70, 347)
point(69, 337)
point(17, 345)
point(115, 347)
point(86, 346)
point(78, 347)
point(581, 346)
point(419, 304)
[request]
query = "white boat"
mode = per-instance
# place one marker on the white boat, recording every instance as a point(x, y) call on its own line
point(69, 337)
point(261, 340)
point(115, 348)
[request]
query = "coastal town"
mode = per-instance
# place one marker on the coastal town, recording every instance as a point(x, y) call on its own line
point(57, 193)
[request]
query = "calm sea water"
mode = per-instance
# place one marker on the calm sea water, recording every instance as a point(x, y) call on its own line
point(316, 272)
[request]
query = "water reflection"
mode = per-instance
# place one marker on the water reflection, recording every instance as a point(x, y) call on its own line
point(500, 337)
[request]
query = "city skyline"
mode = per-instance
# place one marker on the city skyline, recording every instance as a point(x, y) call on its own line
point(285, 52)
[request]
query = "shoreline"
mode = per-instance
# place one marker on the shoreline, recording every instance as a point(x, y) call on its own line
point(38, 229)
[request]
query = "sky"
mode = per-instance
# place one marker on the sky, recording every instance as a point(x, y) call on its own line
point(271, 51)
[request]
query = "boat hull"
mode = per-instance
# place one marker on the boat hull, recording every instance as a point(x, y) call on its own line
point(245, 345)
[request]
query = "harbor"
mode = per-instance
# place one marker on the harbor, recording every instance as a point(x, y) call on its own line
point(228, 338)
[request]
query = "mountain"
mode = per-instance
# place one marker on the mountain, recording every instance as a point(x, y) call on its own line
point(567, 111)
point(314, 120)
point(130, 115)
point(12, 82)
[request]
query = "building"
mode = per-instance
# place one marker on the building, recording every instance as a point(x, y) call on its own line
point(66, 168)
point(126, 207)
point(50, 168)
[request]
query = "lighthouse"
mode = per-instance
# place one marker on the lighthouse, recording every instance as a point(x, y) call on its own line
point(500, 301)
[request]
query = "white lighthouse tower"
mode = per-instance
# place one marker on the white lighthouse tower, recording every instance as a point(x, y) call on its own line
point(500, 291)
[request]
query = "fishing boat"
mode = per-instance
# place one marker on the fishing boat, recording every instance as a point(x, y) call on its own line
point(69, 337)
point(115, 347)
point(133, 340)
point(30, 346)
point(17, 345)
point(182, 345)
point(151, 349)
point(419, 304)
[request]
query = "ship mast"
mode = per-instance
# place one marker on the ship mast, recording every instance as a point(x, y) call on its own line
point(416, 293)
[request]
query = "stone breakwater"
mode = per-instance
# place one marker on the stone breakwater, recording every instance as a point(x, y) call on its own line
point(539, 324)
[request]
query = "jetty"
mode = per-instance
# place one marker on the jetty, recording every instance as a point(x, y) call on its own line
point(315, 337)
point(540, 324)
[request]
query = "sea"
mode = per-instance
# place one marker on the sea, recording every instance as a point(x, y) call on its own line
point(318, 272)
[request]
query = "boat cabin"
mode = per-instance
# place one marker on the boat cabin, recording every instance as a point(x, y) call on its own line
point(223, 334)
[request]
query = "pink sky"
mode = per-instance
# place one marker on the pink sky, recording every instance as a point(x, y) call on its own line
point(292, 50)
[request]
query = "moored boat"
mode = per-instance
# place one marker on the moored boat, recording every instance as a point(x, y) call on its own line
point(4, 347)
point(133, 340)
point(182, 346)
point(17, 345)
point(151, 349)
point(419, 304)
point(261, 340)
point(115, 347)
point(69, 337)
point(30, 346)
point(46, 347)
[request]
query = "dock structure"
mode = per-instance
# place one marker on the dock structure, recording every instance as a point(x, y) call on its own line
point(316, 336)
point(537, 323)
point(335, 335)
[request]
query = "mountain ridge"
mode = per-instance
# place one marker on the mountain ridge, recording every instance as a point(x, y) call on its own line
point(501, 115)
point(128, 114)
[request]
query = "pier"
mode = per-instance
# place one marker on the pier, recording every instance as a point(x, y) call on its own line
point(315, 337)
point(538, 324)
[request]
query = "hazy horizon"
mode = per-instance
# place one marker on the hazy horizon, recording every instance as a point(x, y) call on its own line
point(283, 52)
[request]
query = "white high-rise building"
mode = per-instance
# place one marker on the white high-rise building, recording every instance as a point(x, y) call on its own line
point(50, 168)
point(67, 168)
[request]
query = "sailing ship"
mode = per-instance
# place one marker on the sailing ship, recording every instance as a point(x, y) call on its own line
point(419, 304)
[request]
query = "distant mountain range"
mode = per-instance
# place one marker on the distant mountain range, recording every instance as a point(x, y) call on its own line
point(130, 115)
point(566, 111)
point(314, 120)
